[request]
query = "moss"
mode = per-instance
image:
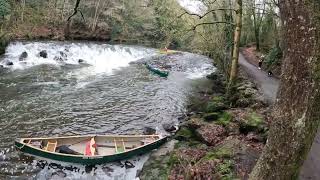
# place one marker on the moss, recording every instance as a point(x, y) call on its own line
point(253, 122)
point(254, 119)
point(216, 104)
point(218, 154)
point(184, 133)
point(225, 169)
point(224, 118)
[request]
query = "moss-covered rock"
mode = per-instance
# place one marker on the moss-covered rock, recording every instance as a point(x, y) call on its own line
point(216, 104)
point(252, 122)
point(224, 119)
point(184, 134)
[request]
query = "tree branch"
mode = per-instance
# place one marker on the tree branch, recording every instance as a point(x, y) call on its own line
point(211, 23)
point(75, 11)
point(205, 14)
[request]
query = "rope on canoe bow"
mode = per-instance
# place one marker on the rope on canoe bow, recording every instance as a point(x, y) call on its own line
point(20, 147)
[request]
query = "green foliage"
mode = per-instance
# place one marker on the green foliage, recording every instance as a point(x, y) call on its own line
point(218, 154)
point(254, 119)
point(224, 119)
point(274, 56)
point(226, 169)
point(5, 8)
point(216, 104)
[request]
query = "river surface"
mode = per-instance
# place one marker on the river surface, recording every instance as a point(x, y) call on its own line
point(109, 91)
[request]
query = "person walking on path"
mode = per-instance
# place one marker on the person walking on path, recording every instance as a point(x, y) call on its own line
point(260, 64)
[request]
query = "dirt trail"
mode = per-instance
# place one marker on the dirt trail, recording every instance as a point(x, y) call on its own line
point(269, 87)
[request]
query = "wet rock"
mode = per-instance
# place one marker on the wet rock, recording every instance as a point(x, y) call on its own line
point(43, 54)
point(63, 55)
point(59, 174)
point(89, 168)
point(23, 56)
point(55, 166)
point(169, 127)
point(128, 165)
point(159, 163)
point(149, 131)
point(211, 134)
point(9, 63)
point(57, 58)
point(194, 123)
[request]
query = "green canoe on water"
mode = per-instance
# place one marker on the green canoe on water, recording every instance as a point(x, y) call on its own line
point(72, 149)
point(161, 73)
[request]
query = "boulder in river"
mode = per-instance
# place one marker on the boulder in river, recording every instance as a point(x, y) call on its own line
point(169, 127)
point(9, 63)
point(23, 56)
point(43, 54)
point(149, 131)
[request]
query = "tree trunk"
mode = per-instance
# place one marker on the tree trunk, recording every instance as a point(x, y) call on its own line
point(235, 54)
point(22, 11)
point(296, 113)
point(94, 21)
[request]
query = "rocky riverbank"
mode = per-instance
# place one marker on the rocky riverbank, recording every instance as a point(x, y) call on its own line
point(220, 138)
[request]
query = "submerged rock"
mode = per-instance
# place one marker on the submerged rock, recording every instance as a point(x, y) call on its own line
point(23, 56)
point(149, 131)
point(43, 54)
point(128, 165)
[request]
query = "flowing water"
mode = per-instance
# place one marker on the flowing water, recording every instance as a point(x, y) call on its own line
point(109, 91)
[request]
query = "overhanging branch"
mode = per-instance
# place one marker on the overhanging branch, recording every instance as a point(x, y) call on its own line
point(211, 23)
point(205, 14)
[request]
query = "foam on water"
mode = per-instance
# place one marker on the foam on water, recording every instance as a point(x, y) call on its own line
point(101, 58)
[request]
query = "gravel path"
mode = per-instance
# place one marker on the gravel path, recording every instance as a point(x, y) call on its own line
point(269, 87)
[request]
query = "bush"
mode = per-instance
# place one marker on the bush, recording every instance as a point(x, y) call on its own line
point(274, 56)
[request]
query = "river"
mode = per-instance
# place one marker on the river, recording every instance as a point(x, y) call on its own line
point(109, 91)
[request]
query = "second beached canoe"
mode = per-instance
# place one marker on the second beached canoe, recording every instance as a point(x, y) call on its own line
point(74, 149)
point(161, 73)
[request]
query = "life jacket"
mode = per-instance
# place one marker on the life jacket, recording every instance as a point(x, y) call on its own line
point(91, 147)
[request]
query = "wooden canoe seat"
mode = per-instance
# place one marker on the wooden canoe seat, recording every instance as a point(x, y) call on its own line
point(51, 145)
point(119, 148)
